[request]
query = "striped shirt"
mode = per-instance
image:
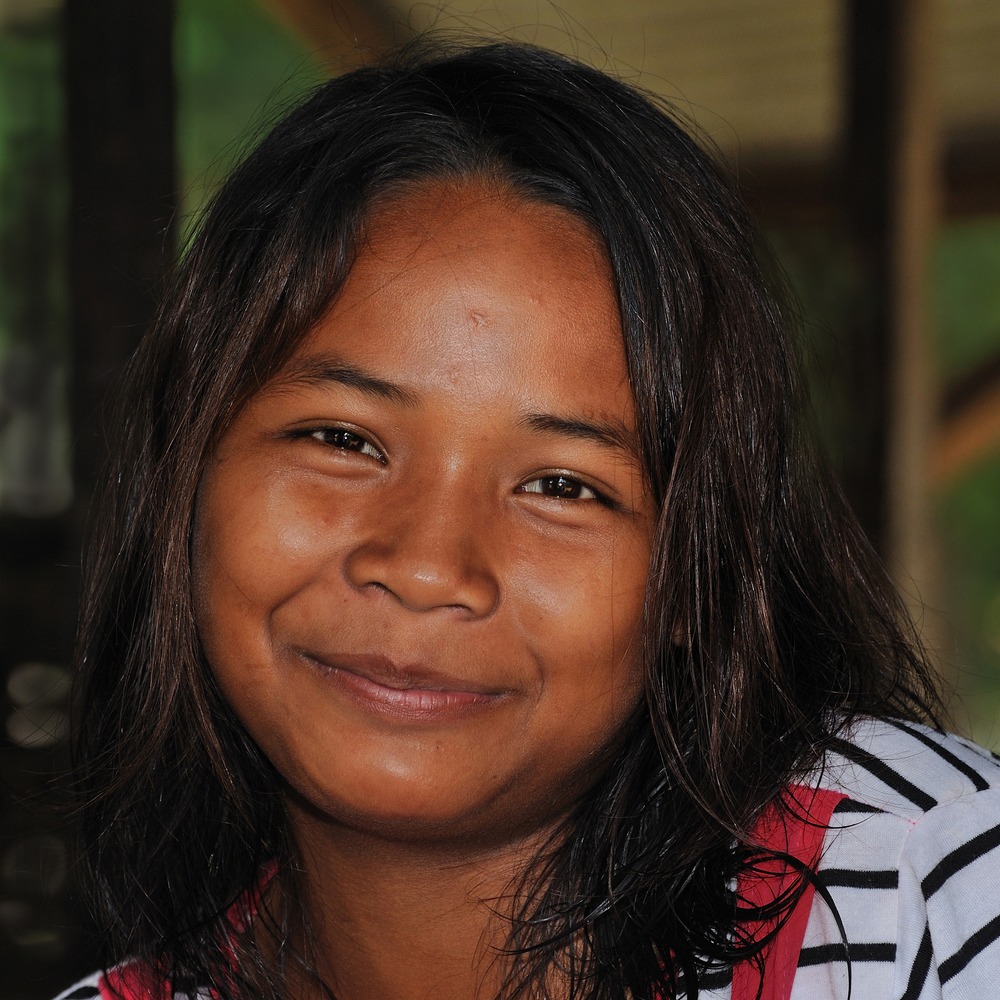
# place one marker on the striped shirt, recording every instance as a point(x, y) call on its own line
point(911, 865)
point(908, 904)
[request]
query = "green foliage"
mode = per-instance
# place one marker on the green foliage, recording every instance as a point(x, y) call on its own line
point(32, 187)
point(967, 286)
point(816, 265)
point(237, 68)
point(967, 299)
point(969, 513)
point(966, 282)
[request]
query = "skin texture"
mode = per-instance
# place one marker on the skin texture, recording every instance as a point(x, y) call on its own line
point(420, 559)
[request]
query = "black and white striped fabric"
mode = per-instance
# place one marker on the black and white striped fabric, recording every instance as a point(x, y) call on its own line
point(911, 863)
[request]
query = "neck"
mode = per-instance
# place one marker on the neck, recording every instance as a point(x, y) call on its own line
point(405, 921)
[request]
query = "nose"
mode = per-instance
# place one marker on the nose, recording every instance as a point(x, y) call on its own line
point(428, 553)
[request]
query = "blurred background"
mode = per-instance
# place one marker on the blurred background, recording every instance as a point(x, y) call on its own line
point(865, 134)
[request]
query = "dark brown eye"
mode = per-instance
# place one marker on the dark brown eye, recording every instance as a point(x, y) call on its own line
point(561, 488)
point(346, 440)
point(342, 439)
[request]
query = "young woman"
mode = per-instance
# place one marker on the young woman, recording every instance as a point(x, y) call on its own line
point(467, 616)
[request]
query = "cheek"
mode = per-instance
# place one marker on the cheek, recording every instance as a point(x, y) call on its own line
point(256, 542)
point(588, 602)
point(248, 557)
point(583, 617)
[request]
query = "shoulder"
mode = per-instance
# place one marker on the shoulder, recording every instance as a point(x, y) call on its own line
point(907, 770)
point(909, 864)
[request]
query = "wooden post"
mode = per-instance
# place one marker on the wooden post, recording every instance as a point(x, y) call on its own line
point(120, 126)
point(119, 93)
point(892, 176)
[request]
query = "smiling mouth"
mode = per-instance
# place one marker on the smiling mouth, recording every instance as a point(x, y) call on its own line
point(414, 693)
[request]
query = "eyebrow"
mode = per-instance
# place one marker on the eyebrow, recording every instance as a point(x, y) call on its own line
point(321, 369)
point(607, 433)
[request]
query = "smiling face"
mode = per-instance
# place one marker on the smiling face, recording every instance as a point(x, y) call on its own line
point(421, 549)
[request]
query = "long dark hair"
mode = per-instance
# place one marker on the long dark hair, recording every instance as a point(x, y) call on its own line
point(768, 625)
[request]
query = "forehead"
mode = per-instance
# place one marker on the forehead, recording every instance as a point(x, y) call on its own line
point(414, 217)
point(472, 276)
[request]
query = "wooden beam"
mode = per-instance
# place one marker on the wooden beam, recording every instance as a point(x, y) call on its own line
point(808, 192)
point(972, 175)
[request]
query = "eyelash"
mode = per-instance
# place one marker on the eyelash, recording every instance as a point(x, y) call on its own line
point(344, 439)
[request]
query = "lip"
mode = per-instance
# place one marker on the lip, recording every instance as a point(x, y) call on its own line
point(410, 692)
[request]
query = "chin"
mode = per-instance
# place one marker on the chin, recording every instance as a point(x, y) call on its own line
point(414, 822)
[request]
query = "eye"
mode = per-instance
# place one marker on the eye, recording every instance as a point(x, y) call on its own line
point(345, 440)
point(561, 488)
